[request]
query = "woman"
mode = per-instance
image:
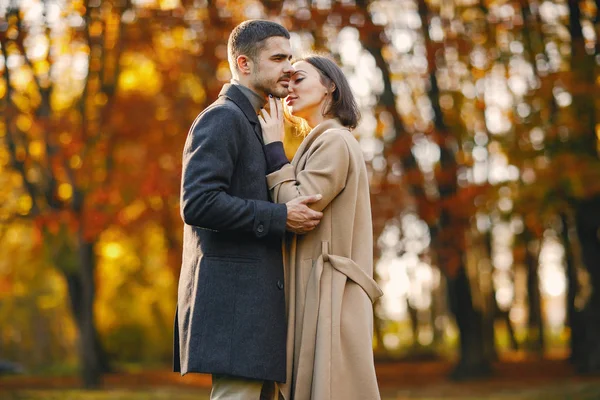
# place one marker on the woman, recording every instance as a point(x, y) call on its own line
point(329, 271)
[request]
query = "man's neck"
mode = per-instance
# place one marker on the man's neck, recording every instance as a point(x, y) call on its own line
point(255, 99)
point(249, 86)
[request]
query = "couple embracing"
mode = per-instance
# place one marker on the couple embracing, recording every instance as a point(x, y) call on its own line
point(276, 287)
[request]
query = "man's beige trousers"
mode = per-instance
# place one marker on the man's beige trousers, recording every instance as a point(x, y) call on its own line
point(225, 387)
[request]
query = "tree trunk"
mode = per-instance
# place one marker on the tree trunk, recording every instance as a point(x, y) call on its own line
point(574, 321)
point(473, 362)
point(489, 321)
point(491, 309)
point(535, 328)
point(588, 230)
point(438, 310)
point(414, 323)
point(81, 284)
point(74, 286)
point(514, 343)
point(75, 259)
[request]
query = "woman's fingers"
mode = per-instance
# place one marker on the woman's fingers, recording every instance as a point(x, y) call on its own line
point(272, 121)
point(265, 114)
point(272, 106)
point(280, 110)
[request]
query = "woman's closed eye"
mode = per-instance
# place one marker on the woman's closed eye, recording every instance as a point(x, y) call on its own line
point(298, 80)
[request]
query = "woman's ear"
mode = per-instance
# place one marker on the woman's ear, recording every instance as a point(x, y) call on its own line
point(332, 88)
point(244, 64)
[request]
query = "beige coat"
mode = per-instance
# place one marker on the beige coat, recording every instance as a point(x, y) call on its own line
point(329, 272)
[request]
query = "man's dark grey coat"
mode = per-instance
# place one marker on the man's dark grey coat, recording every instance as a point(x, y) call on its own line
point(231, 304)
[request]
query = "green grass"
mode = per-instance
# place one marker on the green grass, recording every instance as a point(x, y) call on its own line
point(565, 391)
point(154, 394)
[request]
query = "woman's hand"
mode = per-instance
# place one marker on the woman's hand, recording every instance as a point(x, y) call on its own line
point(272, 122)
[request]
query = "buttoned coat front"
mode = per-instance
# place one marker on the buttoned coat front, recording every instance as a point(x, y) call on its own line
point(231, 304)
point(329, 271)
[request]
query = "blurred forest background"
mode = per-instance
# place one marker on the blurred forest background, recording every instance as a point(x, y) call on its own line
point(480, 127)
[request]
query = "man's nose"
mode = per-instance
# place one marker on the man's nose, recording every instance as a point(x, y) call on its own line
point(288, 68)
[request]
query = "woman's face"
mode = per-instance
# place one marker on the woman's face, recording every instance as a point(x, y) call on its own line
point(306, 92)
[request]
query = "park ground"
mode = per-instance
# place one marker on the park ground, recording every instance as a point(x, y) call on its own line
point(523, 380)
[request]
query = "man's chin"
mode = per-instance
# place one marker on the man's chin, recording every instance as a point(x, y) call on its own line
point(280, 92)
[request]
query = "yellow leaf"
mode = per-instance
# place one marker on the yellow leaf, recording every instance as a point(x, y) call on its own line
point(24, 205)
point(65, 191)
point(36, 149)
point(24, 122)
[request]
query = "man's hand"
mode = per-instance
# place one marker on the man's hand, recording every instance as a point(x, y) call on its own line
point(300, 218)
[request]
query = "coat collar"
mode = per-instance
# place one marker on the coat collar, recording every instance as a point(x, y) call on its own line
point(314, 134)
point(235, 94)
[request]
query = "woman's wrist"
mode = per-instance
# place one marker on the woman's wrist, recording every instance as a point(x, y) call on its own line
point(275, 156)
point(269, 140)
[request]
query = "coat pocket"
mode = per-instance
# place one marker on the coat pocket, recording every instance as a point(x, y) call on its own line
point(217, 305)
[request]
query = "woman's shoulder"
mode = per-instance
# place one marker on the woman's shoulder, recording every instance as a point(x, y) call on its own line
point(341, 135)
point(337, 133)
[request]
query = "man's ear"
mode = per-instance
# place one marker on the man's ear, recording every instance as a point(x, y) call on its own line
point(244, 64)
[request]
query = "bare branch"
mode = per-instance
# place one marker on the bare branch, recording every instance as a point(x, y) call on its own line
point(81, 104)
point(371, 37)
point(17, 164)
point(20, 44)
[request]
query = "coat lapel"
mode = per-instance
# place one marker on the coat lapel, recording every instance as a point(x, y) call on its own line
point(234, 94)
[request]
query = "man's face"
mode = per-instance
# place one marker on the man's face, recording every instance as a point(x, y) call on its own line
point(272, 68)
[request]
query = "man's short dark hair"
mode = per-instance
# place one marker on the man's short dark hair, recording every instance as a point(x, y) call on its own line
point(248, 38)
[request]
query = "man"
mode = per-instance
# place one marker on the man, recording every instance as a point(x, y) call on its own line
point(231, 319)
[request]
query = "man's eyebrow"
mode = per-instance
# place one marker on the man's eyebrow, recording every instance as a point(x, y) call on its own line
point(282, 55)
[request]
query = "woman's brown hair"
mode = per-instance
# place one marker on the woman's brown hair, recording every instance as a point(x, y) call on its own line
point(342, 105)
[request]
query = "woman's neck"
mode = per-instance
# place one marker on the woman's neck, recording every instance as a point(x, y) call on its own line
point(315, 118)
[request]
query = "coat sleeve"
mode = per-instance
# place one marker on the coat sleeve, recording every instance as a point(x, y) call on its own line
point(325, 173)
point(209, 159)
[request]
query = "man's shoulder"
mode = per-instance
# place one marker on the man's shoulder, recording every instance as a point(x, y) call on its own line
point(222, 107)
point(223, 113)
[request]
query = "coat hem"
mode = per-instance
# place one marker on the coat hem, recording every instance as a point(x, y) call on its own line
point(230, 373)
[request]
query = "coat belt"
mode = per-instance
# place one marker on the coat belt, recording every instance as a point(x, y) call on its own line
point(349, 268)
